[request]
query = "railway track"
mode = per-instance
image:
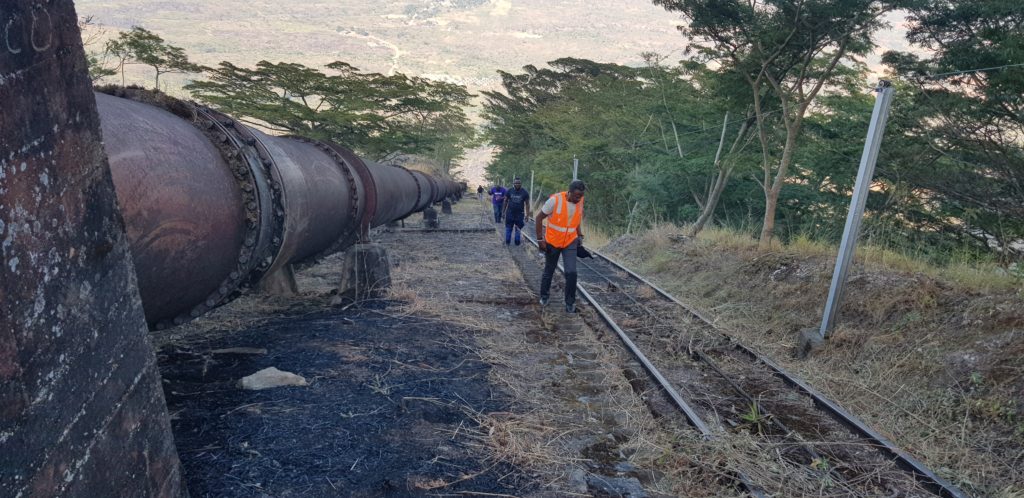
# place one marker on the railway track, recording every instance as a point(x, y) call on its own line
point(722, 386)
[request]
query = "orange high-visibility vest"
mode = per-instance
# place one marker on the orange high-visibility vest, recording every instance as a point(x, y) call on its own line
point(561, 230)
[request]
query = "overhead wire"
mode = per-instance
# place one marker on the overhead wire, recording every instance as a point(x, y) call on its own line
point(978, 70)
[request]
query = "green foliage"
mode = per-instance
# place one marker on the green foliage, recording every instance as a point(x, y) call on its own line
point(378, 115)
point(753, 416)
point(97, 67)
point(786, 51)
point(967, 126)
point(645, 137)
point(90, 36)
point(141, 46)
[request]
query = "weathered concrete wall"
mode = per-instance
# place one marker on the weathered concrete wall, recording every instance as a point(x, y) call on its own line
point(81, 408)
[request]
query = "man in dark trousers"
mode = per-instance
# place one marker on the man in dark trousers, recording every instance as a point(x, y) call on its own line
point(561, 236)
point(497, 194)
point(516, 210)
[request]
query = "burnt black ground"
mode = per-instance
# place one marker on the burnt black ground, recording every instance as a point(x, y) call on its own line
point(385, 393)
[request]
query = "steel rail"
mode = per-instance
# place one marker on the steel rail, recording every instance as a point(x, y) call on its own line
point(919, 470)
point(688, 411)
point(698, 354)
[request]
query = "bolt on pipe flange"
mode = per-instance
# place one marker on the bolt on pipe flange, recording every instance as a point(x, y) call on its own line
point(262, 238)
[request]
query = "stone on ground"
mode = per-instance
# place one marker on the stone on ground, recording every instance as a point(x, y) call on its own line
point(269, 378)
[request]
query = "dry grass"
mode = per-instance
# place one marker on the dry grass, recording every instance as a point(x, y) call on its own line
point(928, 355)
point(970, 275)
point(595, 237)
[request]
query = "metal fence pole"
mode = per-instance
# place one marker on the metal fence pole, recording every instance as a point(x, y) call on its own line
point(531, 182)
point(575, 167)
point(860, 196)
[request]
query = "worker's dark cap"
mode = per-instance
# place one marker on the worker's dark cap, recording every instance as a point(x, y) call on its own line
point(578, 186)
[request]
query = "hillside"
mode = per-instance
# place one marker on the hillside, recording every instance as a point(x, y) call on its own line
point(459, 40)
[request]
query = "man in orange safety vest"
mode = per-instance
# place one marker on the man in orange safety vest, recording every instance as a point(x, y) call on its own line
point(561, 236)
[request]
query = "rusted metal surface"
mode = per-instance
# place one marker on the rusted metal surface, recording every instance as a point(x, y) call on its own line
point(214, 207)
point(368, 189)
point(81, 407)
point(397, 193)
point(180, 203)
point(318, 200)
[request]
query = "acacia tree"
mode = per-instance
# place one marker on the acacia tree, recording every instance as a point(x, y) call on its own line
point(141, 46)
point(91, 34)
point(969, 124)
point(380, 116)
point(787, 51)
point(639, 134)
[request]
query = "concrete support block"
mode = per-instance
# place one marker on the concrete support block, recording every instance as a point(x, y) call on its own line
point(430, 218)
point(280, 282)
point(366, 272)
point(808, 342)
point(82, 411)
point(446, 206)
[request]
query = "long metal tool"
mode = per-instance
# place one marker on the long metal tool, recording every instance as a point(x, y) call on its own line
point(860, 197)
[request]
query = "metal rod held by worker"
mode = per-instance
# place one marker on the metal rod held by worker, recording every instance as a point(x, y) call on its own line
point(860, 196)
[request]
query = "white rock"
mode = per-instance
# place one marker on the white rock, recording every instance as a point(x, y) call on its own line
point(270, 377)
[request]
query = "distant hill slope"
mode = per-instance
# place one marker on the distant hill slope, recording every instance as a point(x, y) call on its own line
point(464, 41)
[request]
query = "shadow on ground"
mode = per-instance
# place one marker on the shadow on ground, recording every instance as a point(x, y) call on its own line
point(387, 399)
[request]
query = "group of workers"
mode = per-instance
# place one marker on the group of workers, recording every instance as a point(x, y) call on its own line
point(559, 237)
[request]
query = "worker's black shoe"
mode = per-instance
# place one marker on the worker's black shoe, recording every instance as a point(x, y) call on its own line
point(570, 308)
point(543, 300)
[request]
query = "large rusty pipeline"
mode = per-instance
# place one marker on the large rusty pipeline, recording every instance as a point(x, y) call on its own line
point(212, 206)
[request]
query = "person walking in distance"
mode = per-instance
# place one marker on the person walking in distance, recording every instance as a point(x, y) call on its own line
point(561, 236)
point(497, 194)
point(516, 210)
point(480, 193)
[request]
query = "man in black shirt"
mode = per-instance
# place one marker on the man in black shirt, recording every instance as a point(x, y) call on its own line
point(516, 210)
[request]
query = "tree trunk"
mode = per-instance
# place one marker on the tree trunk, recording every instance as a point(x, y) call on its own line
point(771, 194)
point(679, 146)
point(712, 203)
point(715, 192)
point(632, 213)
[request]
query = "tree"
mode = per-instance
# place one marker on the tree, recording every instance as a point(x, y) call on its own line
point(141, 46)
point(90, 35)
point(640, 135)
point(787, 51)
point(379, 116)
point(969, 125)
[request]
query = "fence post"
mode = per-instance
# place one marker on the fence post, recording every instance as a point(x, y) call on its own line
point(860, 196)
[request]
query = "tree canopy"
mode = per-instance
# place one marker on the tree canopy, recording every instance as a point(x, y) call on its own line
point(141, 46)
point(378, 115)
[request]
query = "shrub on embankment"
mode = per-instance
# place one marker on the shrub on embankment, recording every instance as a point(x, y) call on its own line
point(931, 356)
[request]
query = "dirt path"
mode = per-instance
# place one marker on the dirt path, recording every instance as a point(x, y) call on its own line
point(458, 384)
